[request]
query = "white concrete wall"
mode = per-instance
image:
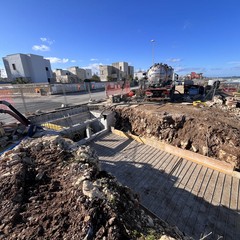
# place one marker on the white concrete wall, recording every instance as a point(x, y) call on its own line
point(3, 73)
point(38, 69)
point(21, 66)
point(30, 66)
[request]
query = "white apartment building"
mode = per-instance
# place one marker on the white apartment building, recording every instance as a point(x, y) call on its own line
point(31, 67)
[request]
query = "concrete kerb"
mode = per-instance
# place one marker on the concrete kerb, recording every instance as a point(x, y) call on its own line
point(188, 155)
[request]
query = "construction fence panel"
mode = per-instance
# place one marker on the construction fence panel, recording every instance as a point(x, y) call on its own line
point(231, 87)
point(117, 88)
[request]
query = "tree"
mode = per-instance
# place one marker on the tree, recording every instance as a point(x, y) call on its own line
point(96, 78)
point(130, 78)
point(21, 80)
point(109, 78)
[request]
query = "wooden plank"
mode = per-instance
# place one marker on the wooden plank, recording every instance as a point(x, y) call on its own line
point(197, 199)
point(151, 160)
point(194, 202)
point(194, 157)
point(169, 194)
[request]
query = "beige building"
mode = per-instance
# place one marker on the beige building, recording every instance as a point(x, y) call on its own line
point(72, 75)
point(118, 71)
point(79, 72)
point(64, 76)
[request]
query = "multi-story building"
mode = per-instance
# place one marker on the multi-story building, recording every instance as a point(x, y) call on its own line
point(28, 67)
point(72, 75)
point(79, 72)
point(118, 71)
point(64, 76)
point(139, 75)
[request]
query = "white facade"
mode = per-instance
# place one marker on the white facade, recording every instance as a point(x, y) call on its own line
point(3, 73)
point(31, 67)
point(139, 75)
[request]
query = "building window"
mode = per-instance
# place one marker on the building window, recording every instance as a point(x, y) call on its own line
point(46, 68)
point(14, 66)
point(120, 68)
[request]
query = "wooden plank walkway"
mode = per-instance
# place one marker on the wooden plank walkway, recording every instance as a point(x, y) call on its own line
point(195, 198)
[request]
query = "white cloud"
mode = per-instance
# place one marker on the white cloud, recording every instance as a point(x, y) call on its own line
point(175, 60)
point(73, 61)
point(189, 69)
point(42, 48)
point(43, 39)
point(234, 62)
point(94, 67)
point(47, 40)
point(57, 60)
point(93, 59)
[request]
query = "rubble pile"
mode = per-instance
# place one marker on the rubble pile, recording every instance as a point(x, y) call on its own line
point(9, 133)
point(227, 104)
point(210, 131)
point(51, 188)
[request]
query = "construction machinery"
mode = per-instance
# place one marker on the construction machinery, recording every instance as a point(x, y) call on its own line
point(160, 81)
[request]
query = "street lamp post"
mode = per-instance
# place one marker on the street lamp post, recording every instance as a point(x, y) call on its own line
point(153, 42)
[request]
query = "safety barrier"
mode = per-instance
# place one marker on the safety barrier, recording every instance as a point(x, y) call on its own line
point(117, 88)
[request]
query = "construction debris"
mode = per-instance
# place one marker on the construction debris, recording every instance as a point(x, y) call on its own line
point(51, 188)
point(10, 134)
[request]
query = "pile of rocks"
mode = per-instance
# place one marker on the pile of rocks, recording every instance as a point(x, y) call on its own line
point(228, 104)
point(51, 188)
point(9, 133)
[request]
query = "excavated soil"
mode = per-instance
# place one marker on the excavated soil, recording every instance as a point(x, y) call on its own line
point(212, 131)
point(51, 188)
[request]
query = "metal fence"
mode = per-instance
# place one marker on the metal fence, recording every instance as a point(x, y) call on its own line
point(37, 98)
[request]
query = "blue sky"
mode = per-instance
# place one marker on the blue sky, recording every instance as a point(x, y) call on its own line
point(190, 35)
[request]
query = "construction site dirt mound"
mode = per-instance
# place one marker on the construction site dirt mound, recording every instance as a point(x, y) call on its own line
point(51, 188)
point(212, 131)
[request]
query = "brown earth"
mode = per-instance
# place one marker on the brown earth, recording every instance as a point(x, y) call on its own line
point(51, 188)
point(212, 131)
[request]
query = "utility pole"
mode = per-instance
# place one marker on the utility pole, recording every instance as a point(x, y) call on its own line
point(153, 42)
